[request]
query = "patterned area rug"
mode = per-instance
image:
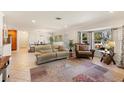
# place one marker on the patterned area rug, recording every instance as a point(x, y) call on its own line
point(77, 70)
point(95, 74)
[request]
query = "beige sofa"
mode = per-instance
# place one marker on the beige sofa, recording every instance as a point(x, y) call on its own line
point(47, 53)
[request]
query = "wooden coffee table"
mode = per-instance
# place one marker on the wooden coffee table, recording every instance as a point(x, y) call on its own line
point(109, 55)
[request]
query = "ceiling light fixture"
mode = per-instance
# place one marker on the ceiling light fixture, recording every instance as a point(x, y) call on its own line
point(111, 11)
point(33, 21)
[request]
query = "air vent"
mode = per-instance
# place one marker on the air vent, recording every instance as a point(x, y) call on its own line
point(58, 18)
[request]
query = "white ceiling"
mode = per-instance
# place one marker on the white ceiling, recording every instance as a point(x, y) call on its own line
point(46, 20)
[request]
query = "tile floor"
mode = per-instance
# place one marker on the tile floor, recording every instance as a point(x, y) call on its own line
point(23, 61)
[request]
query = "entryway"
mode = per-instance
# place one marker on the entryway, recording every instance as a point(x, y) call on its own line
point(12, 35)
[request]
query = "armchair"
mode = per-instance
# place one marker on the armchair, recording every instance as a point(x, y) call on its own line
point(83, 50)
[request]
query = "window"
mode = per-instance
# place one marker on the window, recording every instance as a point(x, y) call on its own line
point(96, 39)
point(85, 38)
point(101, 37)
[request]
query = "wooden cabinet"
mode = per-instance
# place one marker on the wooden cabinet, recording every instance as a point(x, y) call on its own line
point(4, 64)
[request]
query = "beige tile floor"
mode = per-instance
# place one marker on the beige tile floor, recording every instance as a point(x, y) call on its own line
point(22, 61)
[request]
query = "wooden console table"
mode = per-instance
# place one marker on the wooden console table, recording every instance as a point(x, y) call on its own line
point(4, 62)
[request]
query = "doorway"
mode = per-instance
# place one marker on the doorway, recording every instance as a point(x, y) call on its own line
point(12, 35)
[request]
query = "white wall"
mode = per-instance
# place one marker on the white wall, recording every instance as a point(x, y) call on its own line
point(68, 34)
point(1, 32)
point(6, 50)
point(1, 28)
point(71, 32)
point(38, 36)
point(23, 39)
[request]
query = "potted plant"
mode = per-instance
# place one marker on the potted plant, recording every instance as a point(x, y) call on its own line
point(71, 45)
point(51, 40)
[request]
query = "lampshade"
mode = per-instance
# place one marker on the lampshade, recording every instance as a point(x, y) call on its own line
point(110, 44)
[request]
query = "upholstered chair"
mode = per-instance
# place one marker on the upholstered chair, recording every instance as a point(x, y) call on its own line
point(83, 51)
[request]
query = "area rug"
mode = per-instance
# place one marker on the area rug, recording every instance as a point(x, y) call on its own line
point(72, 71)
point(37, 72)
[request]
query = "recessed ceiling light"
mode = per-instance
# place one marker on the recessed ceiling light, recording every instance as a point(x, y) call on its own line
point(33, 21)
point(111, 11)
point(58, 18)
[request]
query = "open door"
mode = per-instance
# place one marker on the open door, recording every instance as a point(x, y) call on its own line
point(12, 35)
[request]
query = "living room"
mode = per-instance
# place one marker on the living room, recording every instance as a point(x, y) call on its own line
point(58, 46)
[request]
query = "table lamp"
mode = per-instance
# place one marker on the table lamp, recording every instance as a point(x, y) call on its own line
point(110, 45)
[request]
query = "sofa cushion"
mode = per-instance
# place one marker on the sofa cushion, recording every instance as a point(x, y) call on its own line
point(85, 52)
point(44, 51)
point(43, 48)
point(47, 56)
point(77, 47)
point(55, 46)
point(62, 53)
point(61, 48)
point(55, 50)
point(83, 47)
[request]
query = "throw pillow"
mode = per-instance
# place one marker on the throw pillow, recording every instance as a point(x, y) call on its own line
point(83, 48)
point(44, 51)
point(61, 48)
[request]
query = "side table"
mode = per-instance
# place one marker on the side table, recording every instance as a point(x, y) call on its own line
point(32, 49)
point(71, 55)
point(107, 57)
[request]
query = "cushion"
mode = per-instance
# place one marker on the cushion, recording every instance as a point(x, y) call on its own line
point(41, 48)
point(47, 56)
point(85, 52)
point(62, 53)
point(77, 47)
point(61, 48)
point(55, 46)
point(46, 47)
point(44, 51)
point(37, 53)
point(55, 50)
point(83, 47)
